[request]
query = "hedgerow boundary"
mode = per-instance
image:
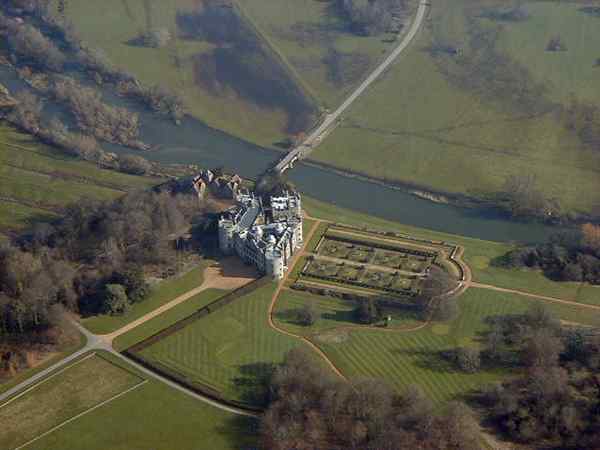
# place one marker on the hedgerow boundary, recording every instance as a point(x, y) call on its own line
point(134, 352)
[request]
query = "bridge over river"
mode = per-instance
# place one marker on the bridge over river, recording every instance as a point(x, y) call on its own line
point(331, 120)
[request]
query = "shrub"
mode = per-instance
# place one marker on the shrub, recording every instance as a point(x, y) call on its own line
point(115, 300)
point(307, 315)
point(367, 311)
point(28, 43)
point(468, 359)
point(135, 165)
point(157, 38)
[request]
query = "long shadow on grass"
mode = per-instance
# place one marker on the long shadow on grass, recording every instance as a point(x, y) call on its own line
point(242, 64)
point(241, 432)
point(252, 385)
point(435, 361)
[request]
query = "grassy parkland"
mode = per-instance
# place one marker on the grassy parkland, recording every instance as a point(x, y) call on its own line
point(184, 64)
point(37, 181)
point(232, 349)
point(450, 106)
point(418, 357)
point(316, 44)
point(229, 351)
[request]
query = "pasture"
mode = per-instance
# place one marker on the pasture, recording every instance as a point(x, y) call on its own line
point(37, 180)
point(409, 358)
point(566, 73)
point(460, 111)
point(81, 386)
point(316, 44)
point(230, 350)
point(232, 105)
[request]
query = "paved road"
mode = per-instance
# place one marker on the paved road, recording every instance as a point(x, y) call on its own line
point(316, 136)
point(96, 342)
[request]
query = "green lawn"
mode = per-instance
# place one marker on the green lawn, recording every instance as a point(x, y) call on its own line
point(307, 225)
point(319, 232)
point(163, 293)
point(413, 358)
point(331, 313)
point(418, 126)
point(227, 349)
point(589, 294)
point(167, 319)
point(81, 386)
point(153, 416)
point(41, 180)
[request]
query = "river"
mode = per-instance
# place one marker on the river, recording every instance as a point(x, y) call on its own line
point(192, 142)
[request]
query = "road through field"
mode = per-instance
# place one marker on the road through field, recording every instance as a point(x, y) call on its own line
point(317, 135)
point(213, 279)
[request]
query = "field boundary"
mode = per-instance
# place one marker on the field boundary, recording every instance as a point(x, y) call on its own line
point(43, 380)
point(194, 386)
point(215, 305)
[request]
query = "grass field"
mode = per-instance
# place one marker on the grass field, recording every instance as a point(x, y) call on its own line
point(306, 32)
point(331, 313)
point(227, 350)
point(418, 126)
point(80, 387)
point(479, 255)
point(569, 72)
point(153, 416)
point(40, 180)
point(173, 65)
point(163, 293)
point(166, 319)
point(414, 358)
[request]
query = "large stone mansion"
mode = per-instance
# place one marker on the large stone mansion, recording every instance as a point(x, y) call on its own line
point(265, 235)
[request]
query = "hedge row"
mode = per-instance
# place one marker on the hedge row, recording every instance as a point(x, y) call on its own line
point(403, 292)
point(382, 246)
point(193, 386)
point(202, 312)
point(385, 301)
point(393, 234)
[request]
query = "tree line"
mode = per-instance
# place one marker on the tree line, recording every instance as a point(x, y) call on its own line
point(27, 115)
point(42, 43)
point(568, 256)
point(370, 17)
point(555, 404)
point(91, 260)
point(309, 408)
